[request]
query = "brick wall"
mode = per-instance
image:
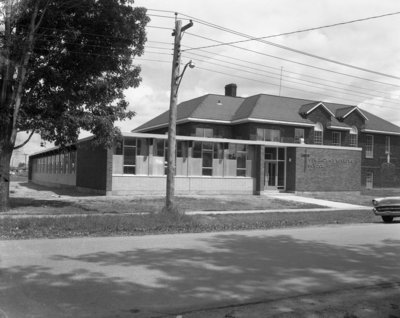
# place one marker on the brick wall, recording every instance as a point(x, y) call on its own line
point(94, 167)
point(123, 185)
point(318, 169)
point(385, 175)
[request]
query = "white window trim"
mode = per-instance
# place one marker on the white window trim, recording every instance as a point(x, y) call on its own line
point(369, 153)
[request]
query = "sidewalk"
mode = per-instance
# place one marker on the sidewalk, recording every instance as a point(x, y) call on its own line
point(325, 206)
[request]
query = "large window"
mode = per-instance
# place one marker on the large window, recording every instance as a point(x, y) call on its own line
point(318, 134)
point(207, 151)
point(387, 145)
point(132, 148)
point(353, 137)
point(298, 135)
point(336, 138)
point(204, 132)
point(267, 134)
point(239, 152)
point(369, 146)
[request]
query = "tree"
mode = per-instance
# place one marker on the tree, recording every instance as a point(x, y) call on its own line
point(64, 66)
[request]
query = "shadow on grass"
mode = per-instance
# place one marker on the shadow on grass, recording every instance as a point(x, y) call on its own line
point(229, 269)
point(18, 202)
point(56, 190)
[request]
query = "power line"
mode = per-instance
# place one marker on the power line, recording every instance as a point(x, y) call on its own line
point(279, 69)
point(295, 62)
point(292, 88)
point(339, 89)
point(251, 38)
point(293, 32)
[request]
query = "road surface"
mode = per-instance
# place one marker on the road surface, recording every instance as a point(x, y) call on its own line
point(151, 276)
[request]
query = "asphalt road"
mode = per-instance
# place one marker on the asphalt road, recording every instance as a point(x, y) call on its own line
point(152, 276)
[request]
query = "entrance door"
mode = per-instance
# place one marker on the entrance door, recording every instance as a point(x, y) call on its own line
point(271, 175)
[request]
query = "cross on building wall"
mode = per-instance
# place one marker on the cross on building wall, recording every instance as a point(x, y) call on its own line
point(305, 155)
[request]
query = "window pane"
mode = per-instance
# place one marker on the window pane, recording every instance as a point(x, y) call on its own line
point(207, 159)
point(272, 135)
point(281, 154)
point(241, 160)
point(270, 153)
point(208, 146)
point(298, 134)
point(159, 148)
point(129, 170)
point(232, 151)
point(219, 151)
point(196, 149)
point(336, 138)
point(199, 132)
point(240, 147)
point(241, 172)
point(208, 132)
point(207, 172)
point(129, 141)
point(182, 149)
point(260, 134)
point(143, 147)
point(318, 137)
point(129, 155)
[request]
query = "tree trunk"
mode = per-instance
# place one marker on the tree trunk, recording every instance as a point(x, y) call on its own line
point(5, 157)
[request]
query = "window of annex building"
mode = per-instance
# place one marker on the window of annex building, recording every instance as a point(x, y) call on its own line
point(193, 158)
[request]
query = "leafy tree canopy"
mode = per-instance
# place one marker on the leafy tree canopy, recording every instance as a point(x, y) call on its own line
point(79, 60)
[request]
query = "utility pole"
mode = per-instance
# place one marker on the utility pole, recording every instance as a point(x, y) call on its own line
point(175, 81)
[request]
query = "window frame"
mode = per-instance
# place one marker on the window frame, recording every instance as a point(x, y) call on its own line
point(387, 145)
point(369, 147)
point(262, 133)
point(318, 134)
point(297, 136)
point(353, 141)
point(336, 138)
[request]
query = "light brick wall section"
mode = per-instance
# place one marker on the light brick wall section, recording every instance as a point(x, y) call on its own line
point(54, 180)
point(123, 185)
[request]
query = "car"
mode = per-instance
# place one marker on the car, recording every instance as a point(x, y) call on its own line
point(387, 208)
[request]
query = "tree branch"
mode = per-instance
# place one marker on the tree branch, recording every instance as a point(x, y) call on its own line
point(25, 142)
point(22, 72)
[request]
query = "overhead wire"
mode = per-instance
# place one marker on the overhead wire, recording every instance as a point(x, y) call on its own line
point(297, 89)
point(261, 39)
point(278, 69)
point(295, 62)
point(277, 77)
point(250, 38)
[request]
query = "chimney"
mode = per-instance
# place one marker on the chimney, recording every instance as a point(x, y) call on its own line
point(230, 90)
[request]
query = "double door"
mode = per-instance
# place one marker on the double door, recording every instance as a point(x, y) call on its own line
point(274, 169)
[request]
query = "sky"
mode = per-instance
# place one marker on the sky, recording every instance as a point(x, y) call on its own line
point(258, 67)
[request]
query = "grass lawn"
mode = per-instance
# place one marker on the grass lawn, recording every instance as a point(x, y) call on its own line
point(27, 199)
point(39, 212)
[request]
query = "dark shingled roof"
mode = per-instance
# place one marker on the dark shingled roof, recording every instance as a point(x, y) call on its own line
point(261, 107)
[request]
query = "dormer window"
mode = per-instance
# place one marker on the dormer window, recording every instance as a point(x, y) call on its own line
point(353, 137)
point(318, 134)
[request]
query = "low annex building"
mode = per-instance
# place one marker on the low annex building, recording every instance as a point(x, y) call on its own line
point(228, 144)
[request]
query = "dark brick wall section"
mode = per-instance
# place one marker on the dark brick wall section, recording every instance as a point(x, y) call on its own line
point(385, 174)
point(355, 119)
point(94, 167)
point(326, 169)
point(291, 169)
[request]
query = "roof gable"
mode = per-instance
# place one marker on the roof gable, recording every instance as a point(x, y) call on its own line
point(266, 109)
point(342, 113)
point(309, 108)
